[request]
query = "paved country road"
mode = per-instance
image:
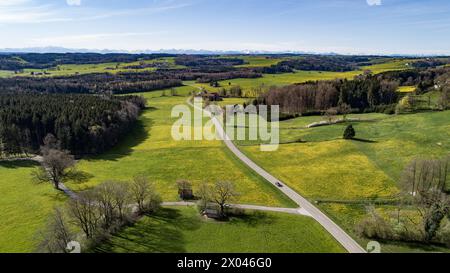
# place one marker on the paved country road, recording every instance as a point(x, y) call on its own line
point(337, 232)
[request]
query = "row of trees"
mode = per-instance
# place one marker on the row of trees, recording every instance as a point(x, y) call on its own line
point(320, 63)
point(98, 213)
point(220, 194)
point(90, 84)
point(83, 124)
point(205, 61)
point(360, 94)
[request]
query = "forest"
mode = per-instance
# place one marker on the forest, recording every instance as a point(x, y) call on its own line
point(41, 61)
point(84, 124)
point(320, 63)
point(205, 61)
point(361, 95)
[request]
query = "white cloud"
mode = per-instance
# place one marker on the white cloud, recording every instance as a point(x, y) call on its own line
point(73, 2)
point(374, 2)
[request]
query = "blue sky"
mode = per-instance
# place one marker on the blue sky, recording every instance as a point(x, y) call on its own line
point(344, 26)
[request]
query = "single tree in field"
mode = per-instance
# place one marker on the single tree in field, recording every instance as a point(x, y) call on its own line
point(349, 132)
point(56, 235)
point(56, 166)
point(223, 193)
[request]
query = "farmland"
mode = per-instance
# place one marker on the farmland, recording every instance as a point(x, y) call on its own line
point(150, 150)
point(316, 162)
point(268, 80)
point(327, 168)
point(80, 69)
point(180, 230)
point(24, 206)
point(148, 147)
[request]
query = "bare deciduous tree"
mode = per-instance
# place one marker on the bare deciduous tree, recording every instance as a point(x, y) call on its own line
point(204, 193)
point(56, 167)
point(104, 194)
point(345, 110)
point(144, 195)
point(84, 211)
point(56, 235)
point(122, 198)
point(330, 114)
point(425, 181)
point(223, 193)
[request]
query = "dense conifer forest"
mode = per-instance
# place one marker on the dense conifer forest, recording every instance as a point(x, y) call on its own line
point(84, 124)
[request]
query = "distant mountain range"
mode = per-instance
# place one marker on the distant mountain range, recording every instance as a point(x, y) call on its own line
point(52, 49)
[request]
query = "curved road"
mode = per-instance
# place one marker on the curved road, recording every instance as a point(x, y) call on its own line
point(337, 232)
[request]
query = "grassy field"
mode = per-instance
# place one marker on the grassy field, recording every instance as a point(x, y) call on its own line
point(268, 80)
point(6, 73)
point(182, 230)
point(258, 61)
point(72, 69)
point(24, 206)
point(327, 167)
point(150, 150)
point(390, 65)
point(407, 89)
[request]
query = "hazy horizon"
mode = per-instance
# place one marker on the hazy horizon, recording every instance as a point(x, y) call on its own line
point(380, 27)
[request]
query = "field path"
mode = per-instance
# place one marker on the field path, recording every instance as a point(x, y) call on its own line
point(337, 232)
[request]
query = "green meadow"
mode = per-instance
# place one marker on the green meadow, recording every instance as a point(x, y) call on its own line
point(151, 151)
point(6, 73)
point(248, 85)
point(148, 150)
point(319, 164)
point(73, 69)
point(182, 230)
point(258, 61)
point(24, 206)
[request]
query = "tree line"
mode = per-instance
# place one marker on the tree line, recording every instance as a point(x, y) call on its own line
point(320, 63)
point(84, 124)
point(205, 61)
point(19, 61)
point(362, 94)
point(423, 211)
point(101, 83)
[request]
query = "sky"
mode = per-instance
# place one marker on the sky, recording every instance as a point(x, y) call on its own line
point(322, 26)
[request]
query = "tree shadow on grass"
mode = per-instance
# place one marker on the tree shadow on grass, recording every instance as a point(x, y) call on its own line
point(253, 219)
point(137, 135)
point(78, 177)
point(159, 233)
point(414, 246)
point(16, 164)
point(365, 140)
